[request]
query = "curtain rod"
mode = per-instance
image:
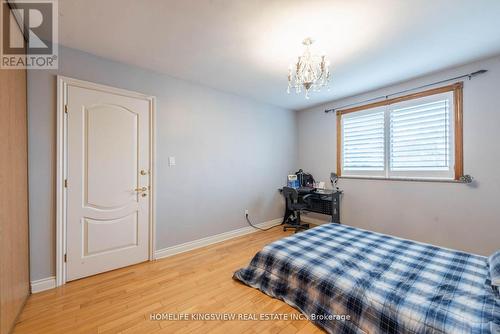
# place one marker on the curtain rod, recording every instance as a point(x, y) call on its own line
point(470, 76)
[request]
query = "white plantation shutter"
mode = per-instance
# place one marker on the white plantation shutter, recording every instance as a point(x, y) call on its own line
point(409, 139)
point(363, 142)
point(420, 137)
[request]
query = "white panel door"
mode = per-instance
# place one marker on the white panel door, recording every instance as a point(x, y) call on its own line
point(108, 155)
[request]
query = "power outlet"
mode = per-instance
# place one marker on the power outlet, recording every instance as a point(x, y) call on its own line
point(246, 212)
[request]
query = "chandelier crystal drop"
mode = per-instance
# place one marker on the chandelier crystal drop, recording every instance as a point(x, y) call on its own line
point(311, 72)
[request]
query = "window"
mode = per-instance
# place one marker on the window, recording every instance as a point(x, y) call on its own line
point(415, 136)
point(363, 141)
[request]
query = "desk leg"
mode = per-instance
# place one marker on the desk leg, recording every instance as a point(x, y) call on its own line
point(336, 209)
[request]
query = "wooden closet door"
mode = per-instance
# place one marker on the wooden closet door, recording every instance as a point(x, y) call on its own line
point(14, 253)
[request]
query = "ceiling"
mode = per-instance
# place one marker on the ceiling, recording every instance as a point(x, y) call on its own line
point(245, 46)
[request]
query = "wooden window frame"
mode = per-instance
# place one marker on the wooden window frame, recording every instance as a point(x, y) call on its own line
point(456, 88)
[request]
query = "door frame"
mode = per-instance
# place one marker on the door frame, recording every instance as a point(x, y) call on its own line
point(61, 165)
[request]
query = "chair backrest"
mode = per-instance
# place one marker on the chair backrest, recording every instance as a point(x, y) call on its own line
point(291, 196)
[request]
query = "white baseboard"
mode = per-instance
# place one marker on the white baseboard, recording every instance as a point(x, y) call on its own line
point(50, 282)
point(185, 247)
point(43, 284)
point(312, 220)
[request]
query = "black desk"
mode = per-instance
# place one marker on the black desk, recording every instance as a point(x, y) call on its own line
point(324, 201)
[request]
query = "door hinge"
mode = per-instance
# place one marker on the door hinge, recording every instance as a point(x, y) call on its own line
point(65, 108)
point(65, 257)
point(65, 183)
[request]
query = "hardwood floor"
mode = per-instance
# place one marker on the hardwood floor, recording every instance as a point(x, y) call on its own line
point(199, 281)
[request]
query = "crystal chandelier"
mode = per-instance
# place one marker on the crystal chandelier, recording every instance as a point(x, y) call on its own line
point(311, 71)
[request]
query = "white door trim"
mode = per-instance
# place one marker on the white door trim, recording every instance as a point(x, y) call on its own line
point(61, 163)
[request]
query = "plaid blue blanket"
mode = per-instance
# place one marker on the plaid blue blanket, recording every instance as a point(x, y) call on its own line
point(348, 280)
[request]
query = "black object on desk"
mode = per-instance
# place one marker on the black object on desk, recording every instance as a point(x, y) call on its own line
point(324, 201)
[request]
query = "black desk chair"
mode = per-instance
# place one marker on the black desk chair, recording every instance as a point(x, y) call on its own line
point(293, 209)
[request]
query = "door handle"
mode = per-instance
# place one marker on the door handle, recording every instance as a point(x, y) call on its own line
point(139, 190)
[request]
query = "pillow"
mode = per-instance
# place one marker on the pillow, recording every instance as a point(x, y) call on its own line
point(494, 264)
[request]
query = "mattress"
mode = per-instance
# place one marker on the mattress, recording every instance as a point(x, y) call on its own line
point(349, 280)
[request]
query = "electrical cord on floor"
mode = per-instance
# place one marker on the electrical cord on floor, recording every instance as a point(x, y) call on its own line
point(258, 228)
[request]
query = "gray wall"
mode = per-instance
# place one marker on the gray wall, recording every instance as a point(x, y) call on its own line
point(465, 217)
point(232, 154)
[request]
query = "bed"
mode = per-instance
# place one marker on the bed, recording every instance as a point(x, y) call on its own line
point(349, 280)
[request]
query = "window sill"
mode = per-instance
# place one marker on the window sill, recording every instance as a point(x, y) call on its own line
point(379, 178)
